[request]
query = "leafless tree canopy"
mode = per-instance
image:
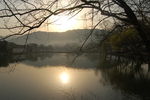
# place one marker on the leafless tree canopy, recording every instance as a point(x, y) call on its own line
point(22, 16)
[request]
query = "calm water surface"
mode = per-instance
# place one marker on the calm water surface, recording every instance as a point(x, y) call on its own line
point(62, 77)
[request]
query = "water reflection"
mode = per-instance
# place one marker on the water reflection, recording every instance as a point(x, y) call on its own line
point(64, 77)
point(128, 75)
point(31, 83)
point(90, 77)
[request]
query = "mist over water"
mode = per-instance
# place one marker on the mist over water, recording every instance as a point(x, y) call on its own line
point(56, 76)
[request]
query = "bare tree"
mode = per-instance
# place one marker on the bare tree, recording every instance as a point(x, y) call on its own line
point(30, 14)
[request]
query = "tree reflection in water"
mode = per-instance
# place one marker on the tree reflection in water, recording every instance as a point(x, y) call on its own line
point(128, 75)
point(131, 76)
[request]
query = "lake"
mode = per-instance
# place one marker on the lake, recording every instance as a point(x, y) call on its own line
point(67, 76)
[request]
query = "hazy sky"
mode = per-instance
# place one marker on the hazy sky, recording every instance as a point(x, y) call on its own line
point(59, 23)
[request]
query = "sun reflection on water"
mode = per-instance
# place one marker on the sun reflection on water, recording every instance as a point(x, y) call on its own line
point(64, 77)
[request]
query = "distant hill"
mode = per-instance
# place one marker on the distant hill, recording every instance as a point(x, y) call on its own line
point(56, 38)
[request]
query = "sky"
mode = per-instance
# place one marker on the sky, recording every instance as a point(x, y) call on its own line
point(57, 23)
point(64, 23)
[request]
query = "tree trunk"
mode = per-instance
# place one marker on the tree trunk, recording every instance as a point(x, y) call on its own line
point(134, 21)
point(143, 34)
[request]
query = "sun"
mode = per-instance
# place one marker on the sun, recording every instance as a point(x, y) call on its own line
point(64, 23)
point(64, 77)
